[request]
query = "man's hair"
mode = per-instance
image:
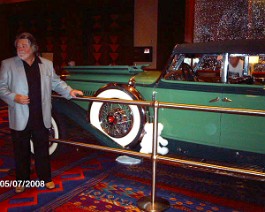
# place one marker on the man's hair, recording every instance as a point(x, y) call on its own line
point(30, 38)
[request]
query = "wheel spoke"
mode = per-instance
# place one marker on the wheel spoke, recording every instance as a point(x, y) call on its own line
point(116, 119)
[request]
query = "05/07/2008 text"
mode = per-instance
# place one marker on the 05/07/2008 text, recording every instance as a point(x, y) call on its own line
point(22, 183)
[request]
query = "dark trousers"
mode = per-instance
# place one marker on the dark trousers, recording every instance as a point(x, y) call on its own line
point(21, 143)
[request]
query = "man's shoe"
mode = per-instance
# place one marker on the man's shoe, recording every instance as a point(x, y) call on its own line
point(19, 189)
point(50, 185)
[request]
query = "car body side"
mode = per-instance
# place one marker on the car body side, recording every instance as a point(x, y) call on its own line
point(228, 131)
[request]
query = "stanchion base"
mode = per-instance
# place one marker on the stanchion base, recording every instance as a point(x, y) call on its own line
point(160, 204)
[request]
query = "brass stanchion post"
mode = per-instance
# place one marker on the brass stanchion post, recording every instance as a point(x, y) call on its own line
point(154, 203)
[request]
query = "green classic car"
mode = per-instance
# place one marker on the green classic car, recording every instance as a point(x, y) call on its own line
point(197, 74)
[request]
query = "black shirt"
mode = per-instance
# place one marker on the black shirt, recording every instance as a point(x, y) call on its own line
point(34, 84)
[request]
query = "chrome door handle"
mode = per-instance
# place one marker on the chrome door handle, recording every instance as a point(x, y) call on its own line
point(215, 100)
point(226, 99)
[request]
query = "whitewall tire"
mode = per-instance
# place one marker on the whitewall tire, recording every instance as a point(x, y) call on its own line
point(54, 133)
point(122, 123)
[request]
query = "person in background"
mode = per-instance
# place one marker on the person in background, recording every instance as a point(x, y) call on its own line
point(236, 67)
point(26, 84)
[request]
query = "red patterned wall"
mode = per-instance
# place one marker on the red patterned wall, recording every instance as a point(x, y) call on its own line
point(97, 35)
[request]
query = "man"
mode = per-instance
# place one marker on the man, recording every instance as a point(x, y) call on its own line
point(236, 67)
point(26, 82)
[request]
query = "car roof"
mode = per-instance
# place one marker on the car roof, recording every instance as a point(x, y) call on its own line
point(246, 46)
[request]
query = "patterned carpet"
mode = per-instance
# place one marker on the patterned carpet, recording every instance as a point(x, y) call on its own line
point(89, 180)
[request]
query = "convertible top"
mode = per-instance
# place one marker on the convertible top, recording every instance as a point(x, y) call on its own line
point(246, 46)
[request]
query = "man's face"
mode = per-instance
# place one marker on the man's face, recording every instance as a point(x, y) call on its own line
point(24, 49)
point(234, 61)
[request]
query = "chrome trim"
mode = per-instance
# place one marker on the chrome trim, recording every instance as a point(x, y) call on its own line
point(217, 99)
point(224, 72)
point(132, 82)
point(226, 99)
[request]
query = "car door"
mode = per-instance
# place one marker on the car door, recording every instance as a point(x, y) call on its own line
point(192, 79)
point(243, 132)
point(187, 125)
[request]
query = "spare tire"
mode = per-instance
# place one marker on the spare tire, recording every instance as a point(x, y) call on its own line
point(121, 122)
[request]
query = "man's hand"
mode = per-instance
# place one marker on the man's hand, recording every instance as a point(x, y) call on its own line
point(75, 93)
point(21, 99)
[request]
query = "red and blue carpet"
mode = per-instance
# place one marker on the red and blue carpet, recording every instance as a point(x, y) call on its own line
point(89, 180)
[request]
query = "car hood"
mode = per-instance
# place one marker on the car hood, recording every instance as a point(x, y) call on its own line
point(105, 74)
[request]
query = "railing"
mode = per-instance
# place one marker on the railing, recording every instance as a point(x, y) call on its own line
point(154, 203)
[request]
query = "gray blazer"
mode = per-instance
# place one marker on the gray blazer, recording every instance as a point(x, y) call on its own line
point(13, 81)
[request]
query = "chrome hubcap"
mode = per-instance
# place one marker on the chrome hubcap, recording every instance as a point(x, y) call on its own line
point(116, 119)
